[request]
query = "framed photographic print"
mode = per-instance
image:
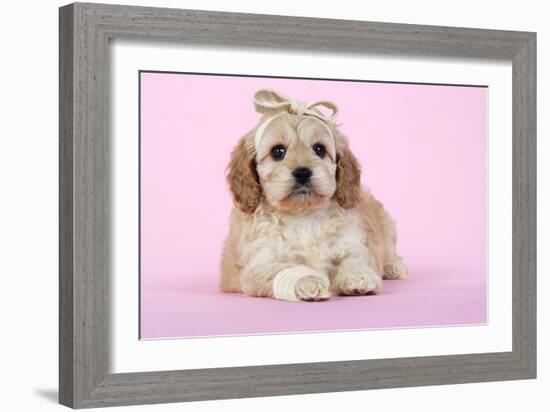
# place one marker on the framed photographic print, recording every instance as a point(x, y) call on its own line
point(257, 205)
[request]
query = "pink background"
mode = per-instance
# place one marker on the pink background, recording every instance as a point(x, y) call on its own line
point(422, 148)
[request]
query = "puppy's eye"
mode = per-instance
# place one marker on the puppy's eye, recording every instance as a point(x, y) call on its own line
point(319, 150)
point(278, 152)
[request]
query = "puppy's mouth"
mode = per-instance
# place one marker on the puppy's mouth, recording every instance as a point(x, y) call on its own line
point(301, 197)
point(302, 191)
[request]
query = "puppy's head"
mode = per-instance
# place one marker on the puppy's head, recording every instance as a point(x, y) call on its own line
point(294, 163)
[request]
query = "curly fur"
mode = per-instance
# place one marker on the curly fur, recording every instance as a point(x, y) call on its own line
point(243, 179)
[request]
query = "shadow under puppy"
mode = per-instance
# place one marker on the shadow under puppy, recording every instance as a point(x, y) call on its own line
point(302, 227)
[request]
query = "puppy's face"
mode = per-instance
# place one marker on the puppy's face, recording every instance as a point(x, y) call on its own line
point(296, 163)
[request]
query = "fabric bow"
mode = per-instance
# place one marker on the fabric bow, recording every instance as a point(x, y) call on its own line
point(270, 102)
point(273, 104)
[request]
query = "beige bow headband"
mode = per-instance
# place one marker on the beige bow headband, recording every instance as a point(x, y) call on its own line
point(269, 102)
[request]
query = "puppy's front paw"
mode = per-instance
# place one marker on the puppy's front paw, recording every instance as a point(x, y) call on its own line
point(360, 283)
point(301, 283)
point(395, 270)
point(311, 289)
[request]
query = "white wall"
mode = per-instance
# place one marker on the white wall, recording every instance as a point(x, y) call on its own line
point(28, 207)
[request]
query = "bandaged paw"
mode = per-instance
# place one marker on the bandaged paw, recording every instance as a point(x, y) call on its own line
point(300, 283)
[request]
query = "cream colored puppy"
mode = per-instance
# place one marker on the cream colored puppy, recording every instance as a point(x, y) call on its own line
point(302, 227)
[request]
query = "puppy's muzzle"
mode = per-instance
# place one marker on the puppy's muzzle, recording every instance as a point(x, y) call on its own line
point(302, 175)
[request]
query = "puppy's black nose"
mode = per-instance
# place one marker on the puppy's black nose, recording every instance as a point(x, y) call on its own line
point(302, 174)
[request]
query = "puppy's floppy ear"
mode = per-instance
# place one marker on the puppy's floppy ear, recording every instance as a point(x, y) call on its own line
point(242, 177)
point(348, 175)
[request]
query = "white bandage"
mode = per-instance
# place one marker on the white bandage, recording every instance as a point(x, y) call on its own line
point(274, 104)
point(284, 283)
point(261, 129)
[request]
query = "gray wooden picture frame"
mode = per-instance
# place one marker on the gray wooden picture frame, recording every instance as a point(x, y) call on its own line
point(85, 31)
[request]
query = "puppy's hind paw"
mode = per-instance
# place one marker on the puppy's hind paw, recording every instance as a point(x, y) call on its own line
point(312, 289)
point(395, 270)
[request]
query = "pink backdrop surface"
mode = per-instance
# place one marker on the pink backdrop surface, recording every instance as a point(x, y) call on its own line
point(423, 153)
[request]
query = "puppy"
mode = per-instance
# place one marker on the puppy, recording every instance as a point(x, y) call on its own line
point(302, 227)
